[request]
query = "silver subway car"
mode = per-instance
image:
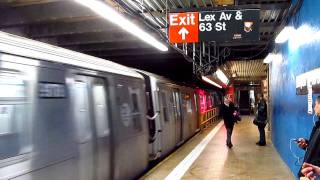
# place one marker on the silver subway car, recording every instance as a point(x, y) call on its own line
point(172, 114)
point(66, 115)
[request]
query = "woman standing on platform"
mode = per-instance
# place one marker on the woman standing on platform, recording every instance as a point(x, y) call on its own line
point(228, 112)
point(262, 119)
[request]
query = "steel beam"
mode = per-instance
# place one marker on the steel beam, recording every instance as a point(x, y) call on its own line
point(146, 58)
point(91, 38)
point(109, 46)
point(132, 52)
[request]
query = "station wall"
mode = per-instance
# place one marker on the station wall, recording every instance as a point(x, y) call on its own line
point(299, 55)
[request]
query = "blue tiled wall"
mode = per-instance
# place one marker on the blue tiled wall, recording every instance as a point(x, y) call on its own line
point(300, 54)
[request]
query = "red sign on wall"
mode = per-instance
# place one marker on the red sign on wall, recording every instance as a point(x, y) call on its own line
point(184, 27)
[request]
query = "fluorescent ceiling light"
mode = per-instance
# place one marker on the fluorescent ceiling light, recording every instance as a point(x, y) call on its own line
point(210, 81)
point(113, 16)
point(223, 78)
point(285, 34)
point(272, 57)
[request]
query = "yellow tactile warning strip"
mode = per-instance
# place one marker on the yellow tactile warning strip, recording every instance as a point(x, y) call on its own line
point(245, 160)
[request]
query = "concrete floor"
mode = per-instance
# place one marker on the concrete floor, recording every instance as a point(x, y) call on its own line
point(245, 161)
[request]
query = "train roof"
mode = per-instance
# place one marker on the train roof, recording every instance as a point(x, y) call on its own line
point(163, 79)
point(17, 45)
point(153, 75)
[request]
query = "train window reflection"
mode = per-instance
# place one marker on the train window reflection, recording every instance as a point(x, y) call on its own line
point(11, 85)
point(81, 111)
point(188, 103)
point(135, 110)
point(100, 110)
point(14, 134)
point(164, 105)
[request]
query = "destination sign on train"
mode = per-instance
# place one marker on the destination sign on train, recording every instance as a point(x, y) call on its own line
point(220, 26)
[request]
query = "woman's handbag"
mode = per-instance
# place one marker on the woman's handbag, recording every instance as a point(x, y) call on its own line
point(259, 123)
point(255, 121)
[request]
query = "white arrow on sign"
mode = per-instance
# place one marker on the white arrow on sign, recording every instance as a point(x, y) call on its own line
point(183, 32)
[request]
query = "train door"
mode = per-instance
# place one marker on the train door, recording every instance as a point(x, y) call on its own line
point(177, 115)
point(167, 120)
point(130, 134)
point(188, 114)
point(93, 133)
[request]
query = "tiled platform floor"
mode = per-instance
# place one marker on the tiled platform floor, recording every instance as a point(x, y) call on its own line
point(245, 161)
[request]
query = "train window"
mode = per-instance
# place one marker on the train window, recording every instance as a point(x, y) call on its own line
point(209, 101)
point(135, 110)
point(188, 102)
point(14, 134)
point(177, 103)
point(196, 102)
point(148, 100)
point(81, 107)
point(5, 119)
point(164, 105)
point(11, 85)
point(170, 104)
point(100, 110)
point(174, 106)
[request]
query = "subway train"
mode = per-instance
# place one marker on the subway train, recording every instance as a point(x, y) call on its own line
point(66, 115)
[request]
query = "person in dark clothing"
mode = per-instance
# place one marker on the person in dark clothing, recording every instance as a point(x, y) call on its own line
point(262, 119)
point(312, 146)
point(228, 112)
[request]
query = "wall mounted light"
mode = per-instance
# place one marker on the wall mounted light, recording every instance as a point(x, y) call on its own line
point(210, 81)
point(223, 78)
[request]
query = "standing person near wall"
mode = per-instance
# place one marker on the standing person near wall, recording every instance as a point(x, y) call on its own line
point(228, 112)
point(262, 120)
point(312, 146)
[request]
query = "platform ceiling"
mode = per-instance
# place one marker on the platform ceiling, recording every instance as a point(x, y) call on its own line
point(67, 24)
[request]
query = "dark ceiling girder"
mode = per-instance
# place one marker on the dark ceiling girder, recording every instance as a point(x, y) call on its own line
point(91, 38)
point(39, 13)
point(108, 46)
point(159, 63)
point(141, 58)
point(134, 52)
point(79, 27)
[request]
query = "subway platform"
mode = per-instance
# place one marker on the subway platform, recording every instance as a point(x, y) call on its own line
point(244, 161)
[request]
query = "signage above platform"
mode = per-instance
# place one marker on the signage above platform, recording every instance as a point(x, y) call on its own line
point(219, 26)
point(184, 27)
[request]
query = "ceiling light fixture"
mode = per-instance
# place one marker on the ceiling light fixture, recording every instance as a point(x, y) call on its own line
point(210, 81)
point(113, 16)
point(223, 78)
